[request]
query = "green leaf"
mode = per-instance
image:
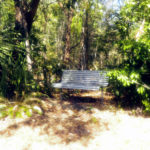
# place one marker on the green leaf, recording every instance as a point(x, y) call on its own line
point(141, 90)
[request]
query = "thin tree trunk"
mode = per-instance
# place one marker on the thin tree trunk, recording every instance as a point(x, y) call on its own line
point(68, 37)
point(85, 44)
point(68, 11)
point(101, 60)
point(83, 53)
point(28, 57)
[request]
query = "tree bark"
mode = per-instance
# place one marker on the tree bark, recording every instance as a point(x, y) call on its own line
point(68, 37)
point(25, 14)
point(85, 43)
point(67, 8)
point(24, 18)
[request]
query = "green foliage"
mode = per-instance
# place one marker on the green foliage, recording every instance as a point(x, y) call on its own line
point(19, 111)
point(127, 85)
point(13, 71)
point(131, 83)
point(13, 65)
point(76, 25)
point(31, 105)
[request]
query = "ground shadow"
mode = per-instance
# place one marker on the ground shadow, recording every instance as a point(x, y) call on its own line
point(85, 101)
point(67, 120)
point(108, 102)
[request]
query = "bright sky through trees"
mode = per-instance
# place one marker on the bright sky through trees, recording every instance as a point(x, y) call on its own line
point(113, 4)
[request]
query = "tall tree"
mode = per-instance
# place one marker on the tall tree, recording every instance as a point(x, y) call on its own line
point(68, 8)
point(91, 18)
point(25, 12)
point(85, 41)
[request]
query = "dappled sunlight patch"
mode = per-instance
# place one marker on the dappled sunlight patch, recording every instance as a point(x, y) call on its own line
point(38, 95)
point(61, 121)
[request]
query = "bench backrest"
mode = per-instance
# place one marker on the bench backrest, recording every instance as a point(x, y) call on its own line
point(98, 78)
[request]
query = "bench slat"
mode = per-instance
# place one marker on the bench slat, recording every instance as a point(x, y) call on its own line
point(87, 80)
point(76, 86)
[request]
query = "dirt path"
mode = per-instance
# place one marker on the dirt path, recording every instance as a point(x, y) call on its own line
point(72, 125)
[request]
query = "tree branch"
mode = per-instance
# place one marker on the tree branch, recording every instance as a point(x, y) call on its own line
point(74, 46)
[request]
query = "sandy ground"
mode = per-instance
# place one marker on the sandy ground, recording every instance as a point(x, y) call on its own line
point(80, 124)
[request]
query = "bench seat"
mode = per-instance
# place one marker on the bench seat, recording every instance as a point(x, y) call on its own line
point(85, 80)
point(76, 86)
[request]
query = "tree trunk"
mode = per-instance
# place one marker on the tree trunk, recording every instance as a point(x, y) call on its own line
point(83, 53)
point(68, 37)
point(67, 8)
point(24, 19)
point(28, 49)
point(85, 44)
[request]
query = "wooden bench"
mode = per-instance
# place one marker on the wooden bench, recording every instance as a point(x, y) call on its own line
point(83, 80)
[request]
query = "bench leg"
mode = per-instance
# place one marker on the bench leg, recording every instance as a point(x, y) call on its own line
point(102, 98)
point(61, 94)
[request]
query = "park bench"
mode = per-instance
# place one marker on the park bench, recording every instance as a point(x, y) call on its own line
point(83, 80)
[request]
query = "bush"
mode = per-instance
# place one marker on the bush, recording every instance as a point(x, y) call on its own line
point(128, 88)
